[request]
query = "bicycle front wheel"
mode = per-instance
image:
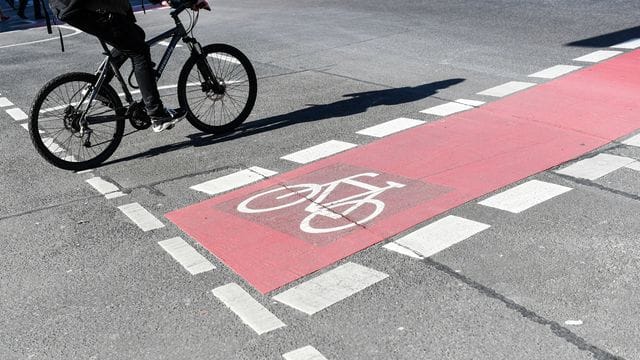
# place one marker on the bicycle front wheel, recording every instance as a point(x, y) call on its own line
point(218, 111)
point(60, 132)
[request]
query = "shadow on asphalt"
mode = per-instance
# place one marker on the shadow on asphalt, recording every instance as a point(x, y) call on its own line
point(607, 40)
point(351, 104)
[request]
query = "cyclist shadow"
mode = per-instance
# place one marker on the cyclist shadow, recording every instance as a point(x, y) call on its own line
point(353, 104)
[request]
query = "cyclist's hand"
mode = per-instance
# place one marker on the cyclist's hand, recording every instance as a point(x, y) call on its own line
point(201, 4)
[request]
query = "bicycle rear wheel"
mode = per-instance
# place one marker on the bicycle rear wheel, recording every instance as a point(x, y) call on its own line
point(56, 127)
point(220, 112)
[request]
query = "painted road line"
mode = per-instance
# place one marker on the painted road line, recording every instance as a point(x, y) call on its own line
point(17, 114)
point(596, 167)
point(305, 353)
point(507, 89)
point(633, 141)
point(233, 181)
point(225, 58)
point(630, 45)
point(4, 102)
point(392, 246)
point(440, 235)
point(525, 196)
point(52, 145)
point(114, 195)
point(555, 71)
point(447, 109)
point(166, 43)
point(102, 186)
point(390, 127)
point(141, 217)
point(251, 312)
point(186, 255)
point(598, 56)
point(329, 288)
point(317, 152)
point(634, 166)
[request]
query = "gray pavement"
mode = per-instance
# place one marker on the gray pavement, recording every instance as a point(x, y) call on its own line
point(80, 281)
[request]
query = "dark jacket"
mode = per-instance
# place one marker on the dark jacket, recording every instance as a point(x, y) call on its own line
point(63, 9)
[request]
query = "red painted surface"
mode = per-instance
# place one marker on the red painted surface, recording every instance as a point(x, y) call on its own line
point(443, 165)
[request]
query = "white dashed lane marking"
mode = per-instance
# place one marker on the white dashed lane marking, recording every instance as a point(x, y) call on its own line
point(629, 45)
point(633, 141)
point(402, 250)
point(390, 127)
point(4, 102)
point(524, 196)
point(102, 186)
point(634, 166)
point(141, 217)
point(507, 89)
point(304, 353)
point(330, 288)
point(555, 71)
point(452, 107)
point(233, 181)
point(319, 151)
point(17, 114)
point(596, 167)
point(186, 255)
point(598, 56)
point(440, 235)
point(251, 312)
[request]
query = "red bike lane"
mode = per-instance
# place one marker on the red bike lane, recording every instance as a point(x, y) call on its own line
point(419, 173)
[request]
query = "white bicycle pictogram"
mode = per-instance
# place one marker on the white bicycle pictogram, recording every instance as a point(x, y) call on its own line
point(287, 196)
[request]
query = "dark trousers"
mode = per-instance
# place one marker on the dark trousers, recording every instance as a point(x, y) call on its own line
point(37, 8)
point(127, 38)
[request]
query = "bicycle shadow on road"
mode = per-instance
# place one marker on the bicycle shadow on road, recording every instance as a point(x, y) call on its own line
point(352, 104)
point(607, 40)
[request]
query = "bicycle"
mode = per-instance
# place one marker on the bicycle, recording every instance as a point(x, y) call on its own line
point(77, 120)
point(287, 196)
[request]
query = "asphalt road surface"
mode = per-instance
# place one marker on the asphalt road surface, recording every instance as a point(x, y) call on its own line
point(511, 231)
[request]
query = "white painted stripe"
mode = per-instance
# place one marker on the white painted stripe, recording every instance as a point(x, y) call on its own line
point(555, 71)
point(59, 107)
point(506, 89)
point(70, 158)
point(634, 166)
point(247, 308)
point(598, 56)
point(633, 141)
point(17, 114)
point(167, 43)
point(52, 146)
point(330, 287)
point(631, 44)
point(187, 256)
point(440, 235)
point(233, 181)
point(114, 195)
point(390, 127)
point(102, 186)
point(319, 151)
point(26, 127)
point(596, 167)
point(225, 58)
point(524, 196)
point(305, 353)
point(402, 250)
point(446, 109)
point(4, 102)
point(84, 171)
point(141, 217)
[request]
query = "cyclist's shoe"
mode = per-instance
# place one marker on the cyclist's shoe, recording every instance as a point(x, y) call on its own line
point(166, 119)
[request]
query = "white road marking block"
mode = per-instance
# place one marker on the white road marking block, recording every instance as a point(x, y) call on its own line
point(141, 217)
point(634, 166)
point(305, 353)
point(390, 127)
point(598, 56)
point(319, 151)
point(452, 107)
point(402, 250)
point(633, 141)
point(225, 58)
point(630, 45)
point(17, 114)
point(4, 102)
point(102, 186)
point(114, 195)
point(186, 255)
point(251, 312)
point(524, 196)
point(329, 288)
point(233, 181)
point(573, 322)
point(596, 167)
point(555, 71)
point(440, 235)
point(507, 89)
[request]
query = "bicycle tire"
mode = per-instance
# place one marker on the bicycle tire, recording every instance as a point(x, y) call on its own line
point(230, 55)
point(109, 100)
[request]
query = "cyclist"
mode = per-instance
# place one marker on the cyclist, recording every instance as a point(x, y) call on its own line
point(113, 21)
